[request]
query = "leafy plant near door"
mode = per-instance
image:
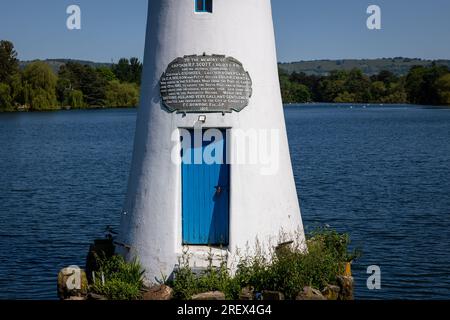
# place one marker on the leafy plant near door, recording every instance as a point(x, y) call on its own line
point(187, 283)
point(287, 270)
point(117, 279)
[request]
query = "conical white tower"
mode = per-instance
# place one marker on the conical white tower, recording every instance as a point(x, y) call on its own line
point(210, 71)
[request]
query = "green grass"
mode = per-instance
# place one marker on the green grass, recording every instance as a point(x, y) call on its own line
point(123, 280)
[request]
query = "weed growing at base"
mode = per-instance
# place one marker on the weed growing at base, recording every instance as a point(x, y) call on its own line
point(287, 269)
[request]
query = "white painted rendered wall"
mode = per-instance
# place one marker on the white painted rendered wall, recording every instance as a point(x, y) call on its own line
point(260, 206)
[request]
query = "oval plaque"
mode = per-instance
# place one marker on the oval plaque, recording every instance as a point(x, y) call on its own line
point(212, 83)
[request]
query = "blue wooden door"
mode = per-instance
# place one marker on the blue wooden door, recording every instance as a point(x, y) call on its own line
point(205, 193)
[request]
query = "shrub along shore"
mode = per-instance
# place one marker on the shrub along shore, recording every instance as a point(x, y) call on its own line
point(422, 86)
point(322, 272)
point(75, 86)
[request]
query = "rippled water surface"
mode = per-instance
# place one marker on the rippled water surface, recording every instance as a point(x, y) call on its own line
point(381, 173)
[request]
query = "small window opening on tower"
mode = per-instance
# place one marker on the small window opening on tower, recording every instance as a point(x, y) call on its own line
point(204, 6)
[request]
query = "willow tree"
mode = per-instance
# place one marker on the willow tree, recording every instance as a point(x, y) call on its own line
point(122, 94)
point(39, 87)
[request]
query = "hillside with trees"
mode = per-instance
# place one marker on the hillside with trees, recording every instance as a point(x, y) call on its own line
point(421, 85)
point(399, 66)
point(56, 64)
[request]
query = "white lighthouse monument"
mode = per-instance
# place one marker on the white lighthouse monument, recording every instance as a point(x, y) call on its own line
point(211, 169)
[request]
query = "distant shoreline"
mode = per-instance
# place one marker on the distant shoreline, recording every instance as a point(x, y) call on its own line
point(75, 84)
point(360, 104)
point(285, 105)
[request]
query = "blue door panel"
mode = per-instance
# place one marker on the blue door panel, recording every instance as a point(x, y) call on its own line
point(205, 198)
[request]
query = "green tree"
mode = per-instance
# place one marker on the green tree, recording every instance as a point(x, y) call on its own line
point(395, 92)
point(106, 74)
point(135, 70)
point(443, 89)
point(300, 93)
point(75, 99)
point(39, 86)
point(93, 87)
point(421, 84)
point(357, 84)
point(331, 87)
point(5, 97)
point(16, 88)
point(387, 77)
point(285, 86)
point(346, 97)
point(395, 97)
point(128, 70)
point(63, 90)
point(310, 81)
point(9, 65)
point(345, 86)
point(377, 90)
point(122, 94)
point(91, 82)
point(69, 76)
point(415, 83)
point(122, 70)
point(431, 87)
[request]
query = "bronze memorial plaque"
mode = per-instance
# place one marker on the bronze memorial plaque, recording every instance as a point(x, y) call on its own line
point(205, 84)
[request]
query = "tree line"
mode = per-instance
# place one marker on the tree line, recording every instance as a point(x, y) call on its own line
point(78, 86)
point(75, 86)
point(422, 85)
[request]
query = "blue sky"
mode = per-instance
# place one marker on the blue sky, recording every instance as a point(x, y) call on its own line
point(305, 29)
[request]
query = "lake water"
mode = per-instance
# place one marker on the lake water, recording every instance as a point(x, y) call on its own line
point(381, 173)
